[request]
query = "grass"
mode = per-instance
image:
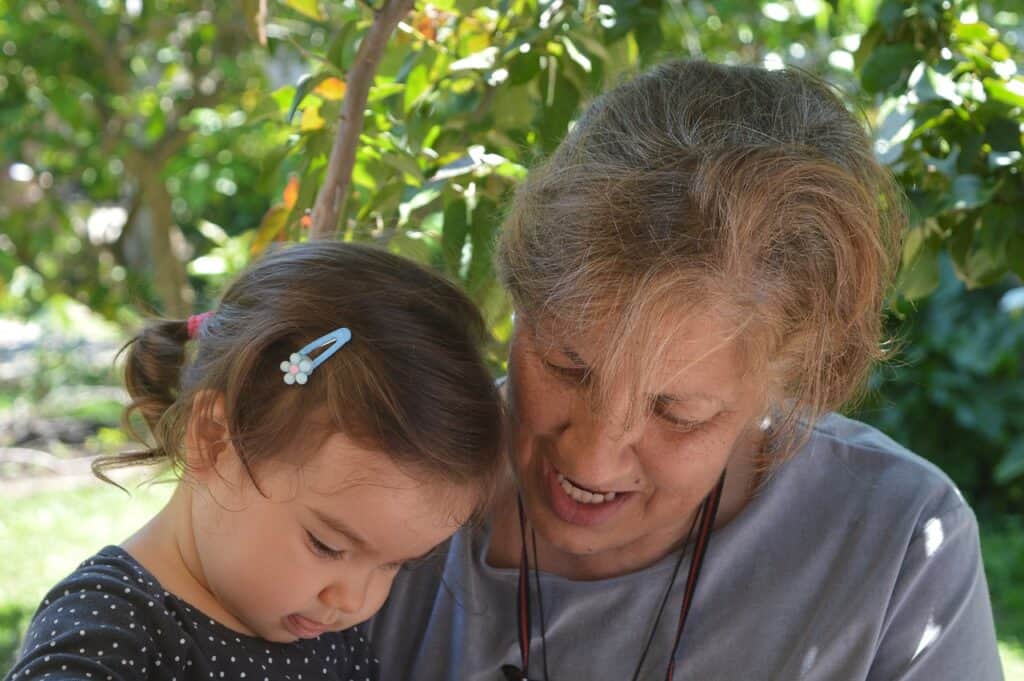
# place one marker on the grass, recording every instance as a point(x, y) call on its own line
point(44, 536)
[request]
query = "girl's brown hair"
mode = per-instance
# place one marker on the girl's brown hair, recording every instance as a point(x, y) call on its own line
point(410, 382)
point(750, 194)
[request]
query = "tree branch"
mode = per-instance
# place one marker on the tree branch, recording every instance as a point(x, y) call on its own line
point(330, 202)
point(101, 45)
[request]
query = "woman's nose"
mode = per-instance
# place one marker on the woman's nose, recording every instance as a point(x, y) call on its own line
point(347, 594)
point(599, 445)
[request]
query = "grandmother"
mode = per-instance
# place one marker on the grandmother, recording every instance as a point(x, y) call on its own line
point(698, 275)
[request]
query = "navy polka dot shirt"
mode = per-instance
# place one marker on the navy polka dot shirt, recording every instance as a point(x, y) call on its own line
point(110, 620)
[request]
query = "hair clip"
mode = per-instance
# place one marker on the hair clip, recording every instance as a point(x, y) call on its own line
point(299, 366)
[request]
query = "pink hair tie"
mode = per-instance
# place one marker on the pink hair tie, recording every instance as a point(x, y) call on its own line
point(195, 322)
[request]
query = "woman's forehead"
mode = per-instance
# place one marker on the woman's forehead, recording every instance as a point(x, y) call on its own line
point(690, 356)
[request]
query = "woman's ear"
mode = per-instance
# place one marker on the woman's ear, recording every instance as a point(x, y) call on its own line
point(207, 437)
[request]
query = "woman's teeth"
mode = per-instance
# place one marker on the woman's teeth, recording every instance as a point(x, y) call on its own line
point(582, 495)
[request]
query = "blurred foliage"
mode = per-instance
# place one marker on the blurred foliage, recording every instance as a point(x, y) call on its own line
point(955, 390)
point(126, 123)
point(153, 148)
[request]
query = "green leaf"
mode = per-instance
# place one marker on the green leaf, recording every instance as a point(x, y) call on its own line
point(482, 230)
point(558, 111)
point(1003, 134)
point(890, 16)
point(342, 49)
point(303, 86)
point(979, 31)
point(1000, 52)
point(405, 164)
point(270, 228)
point(514, 107)
point(412, 246)
point(415, 86)
point(929, 85)
point(970, 191)
point(1012, 465)
point(309, 8)
point(1007, 91)
point(920, 277)
point(524, 67)
point(865, 10)
point(453, 235)
point(887, 66)
point(1015, 254)
point(381, 91)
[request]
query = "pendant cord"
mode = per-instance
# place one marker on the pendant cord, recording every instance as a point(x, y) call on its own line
point(668, 590)
point(523, 597)
point(704, 518)
point(540, 608)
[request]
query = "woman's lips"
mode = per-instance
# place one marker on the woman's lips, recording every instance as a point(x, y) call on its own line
point(569, 509)
point(303, 627)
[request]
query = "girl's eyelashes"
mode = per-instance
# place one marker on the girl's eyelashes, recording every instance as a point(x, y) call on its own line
point(322, 549)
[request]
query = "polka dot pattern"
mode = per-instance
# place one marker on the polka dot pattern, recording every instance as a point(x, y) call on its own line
point(110, 620)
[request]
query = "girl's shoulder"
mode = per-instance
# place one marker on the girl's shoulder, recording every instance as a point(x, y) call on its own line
point(112, 619)
point(107, 616)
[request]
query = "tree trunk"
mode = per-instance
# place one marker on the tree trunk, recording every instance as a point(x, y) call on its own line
point(330, 202)
point(166, 242)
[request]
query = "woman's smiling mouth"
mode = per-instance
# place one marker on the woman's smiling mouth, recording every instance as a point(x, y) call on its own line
point(579, 505)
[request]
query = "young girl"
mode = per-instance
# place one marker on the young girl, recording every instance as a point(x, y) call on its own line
point(330, 422)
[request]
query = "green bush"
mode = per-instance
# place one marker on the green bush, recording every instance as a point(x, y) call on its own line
point(954, 392)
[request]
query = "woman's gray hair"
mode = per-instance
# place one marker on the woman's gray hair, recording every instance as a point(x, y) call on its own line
point(750, 194)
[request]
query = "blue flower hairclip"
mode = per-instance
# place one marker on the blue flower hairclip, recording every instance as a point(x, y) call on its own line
point(299, 366)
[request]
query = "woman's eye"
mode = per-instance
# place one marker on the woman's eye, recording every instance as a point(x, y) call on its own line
point(393, 567)
point(573, 375)
point(679, 424)
point(322, 549)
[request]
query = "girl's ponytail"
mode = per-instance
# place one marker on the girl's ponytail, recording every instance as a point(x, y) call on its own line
point(154, 360)
point(152, 372)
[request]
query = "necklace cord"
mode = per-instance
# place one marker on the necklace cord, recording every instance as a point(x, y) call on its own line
point(668, 590)
point(707, 524)
point(704, 518)
point(540, 608)
point(523, 595)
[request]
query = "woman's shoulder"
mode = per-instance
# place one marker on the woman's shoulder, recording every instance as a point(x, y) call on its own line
point(850, 473)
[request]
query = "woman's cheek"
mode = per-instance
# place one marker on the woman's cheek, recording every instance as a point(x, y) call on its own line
point(678, 459)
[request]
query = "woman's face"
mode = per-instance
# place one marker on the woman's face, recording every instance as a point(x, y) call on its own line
point(605, 499)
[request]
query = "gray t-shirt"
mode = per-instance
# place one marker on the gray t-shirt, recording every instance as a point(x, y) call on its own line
point(856, 560)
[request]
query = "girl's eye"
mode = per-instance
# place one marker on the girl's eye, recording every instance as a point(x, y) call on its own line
point(393, 567)
point(322, 549)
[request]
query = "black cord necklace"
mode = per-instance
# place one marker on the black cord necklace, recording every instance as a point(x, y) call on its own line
point(703, 522)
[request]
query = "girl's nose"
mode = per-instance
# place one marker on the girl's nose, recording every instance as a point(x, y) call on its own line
point(347, 595)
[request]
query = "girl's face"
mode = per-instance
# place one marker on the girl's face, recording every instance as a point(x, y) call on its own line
point(318, 550)
point(647, 479)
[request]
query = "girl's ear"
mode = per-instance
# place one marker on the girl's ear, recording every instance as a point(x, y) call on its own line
point(207, 437)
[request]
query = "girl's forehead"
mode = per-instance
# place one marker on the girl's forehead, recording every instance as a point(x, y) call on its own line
point(342, 467)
